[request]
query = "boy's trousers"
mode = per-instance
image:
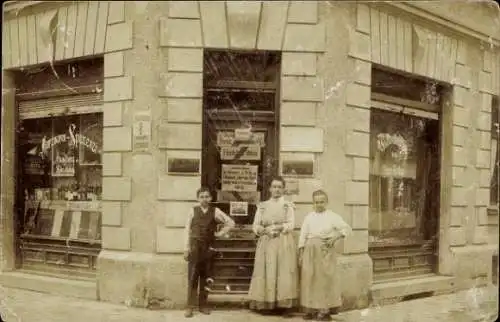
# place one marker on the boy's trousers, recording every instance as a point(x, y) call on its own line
point(199, 269)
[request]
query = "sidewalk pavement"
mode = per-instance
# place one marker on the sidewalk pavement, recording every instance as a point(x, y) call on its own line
point(476, 304)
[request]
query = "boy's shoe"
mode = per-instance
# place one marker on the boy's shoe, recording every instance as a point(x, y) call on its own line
point(308, 316)
point(188, 313)
point(210, 282)
point(205, 311)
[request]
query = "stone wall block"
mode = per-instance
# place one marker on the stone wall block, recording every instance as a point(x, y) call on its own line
point(116, 238)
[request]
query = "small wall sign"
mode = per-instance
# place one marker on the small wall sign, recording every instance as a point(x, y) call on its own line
point(183, 166)
point(301, 168)
point(142, 131)
point(291, 186)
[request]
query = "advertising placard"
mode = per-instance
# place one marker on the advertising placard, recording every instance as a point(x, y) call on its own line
point(239, 177)
point(240, 152)
point(227, 138)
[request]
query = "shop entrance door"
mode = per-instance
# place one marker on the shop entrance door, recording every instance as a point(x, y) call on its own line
point(239, 160)
point(240, 141)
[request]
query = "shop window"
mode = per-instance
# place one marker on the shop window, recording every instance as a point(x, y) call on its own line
point(61, 175)
point(495, 153)
point(403, 172)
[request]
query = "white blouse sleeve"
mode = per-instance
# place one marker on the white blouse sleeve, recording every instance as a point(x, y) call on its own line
point(187, 228)
point(343, 228)
point(257, 227)
point(304, 231)
point(289, 223)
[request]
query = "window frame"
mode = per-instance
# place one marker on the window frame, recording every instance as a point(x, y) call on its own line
point(495, 136)
point(395, 105)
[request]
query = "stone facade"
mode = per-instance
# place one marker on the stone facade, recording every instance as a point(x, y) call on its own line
point(153, 62)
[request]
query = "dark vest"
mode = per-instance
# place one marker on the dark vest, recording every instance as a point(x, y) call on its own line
point(201, 232)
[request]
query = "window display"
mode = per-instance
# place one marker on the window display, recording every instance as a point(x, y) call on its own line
point(404, 153)
point(61, 176)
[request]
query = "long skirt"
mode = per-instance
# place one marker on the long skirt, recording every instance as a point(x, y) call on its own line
point(319, 285)
point(275, 275)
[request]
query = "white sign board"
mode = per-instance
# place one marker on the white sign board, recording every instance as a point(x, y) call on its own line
point(238, 208)
point(291, 186)
point(227, 138)
point(239, 177)
point(240, 152)
point(142, 131)
point(242, 134)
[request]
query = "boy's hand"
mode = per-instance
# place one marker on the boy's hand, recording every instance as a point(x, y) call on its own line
point(301, 253)
point(186, 256)
point(220, 234)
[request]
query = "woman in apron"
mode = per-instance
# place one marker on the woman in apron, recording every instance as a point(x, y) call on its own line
point(274, 285)
point(320, 289)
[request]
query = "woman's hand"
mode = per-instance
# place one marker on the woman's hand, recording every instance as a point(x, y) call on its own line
point(301, 256)
point(331, 242)
point(186, 255)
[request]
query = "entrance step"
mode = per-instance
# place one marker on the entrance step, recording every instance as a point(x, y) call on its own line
point(400, 290)
point(414, 272)
point(232, 279)
point(231, 243)
point(228, 300)
point(233, 269)
point(229, 287)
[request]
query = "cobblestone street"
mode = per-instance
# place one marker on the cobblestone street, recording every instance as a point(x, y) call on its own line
point(479, 304)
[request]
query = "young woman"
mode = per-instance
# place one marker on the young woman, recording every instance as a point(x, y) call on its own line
point(274, 285)
point(321, 229)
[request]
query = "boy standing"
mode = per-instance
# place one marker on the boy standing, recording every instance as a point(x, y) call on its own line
point(200, 234)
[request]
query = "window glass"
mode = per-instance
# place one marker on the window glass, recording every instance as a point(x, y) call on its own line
point(404, 154)
point(61, 171)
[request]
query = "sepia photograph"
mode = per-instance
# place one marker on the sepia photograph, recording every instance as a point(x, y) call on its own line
point(250, 161)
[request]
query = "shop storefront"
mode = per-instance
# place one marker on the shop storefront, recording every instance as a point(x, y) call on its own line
point(59, 169)
point(377, 104)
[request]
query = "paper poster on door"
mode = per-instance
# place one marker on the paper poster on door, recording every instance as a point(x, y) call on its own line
point(227, 138)
point(240, 152)
point(239, 177)
point(238, 208)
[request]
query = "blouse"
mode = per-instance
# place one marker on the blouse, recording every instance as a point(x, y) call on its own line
point(325, 225)
point(274, 212)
